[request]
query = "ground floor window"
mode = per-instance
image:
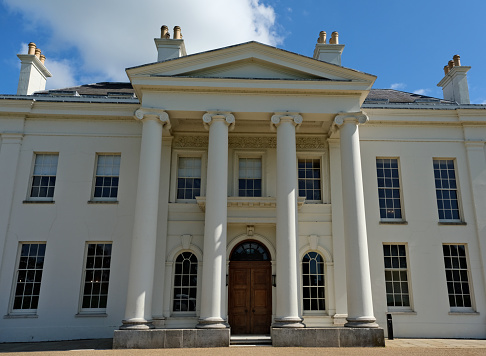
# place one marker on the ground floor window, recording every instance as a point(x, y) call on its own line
point(28, 276)
point(185, 283)
point(456, 269)
point(313, 282)
point(396, 276)
point(96, 277)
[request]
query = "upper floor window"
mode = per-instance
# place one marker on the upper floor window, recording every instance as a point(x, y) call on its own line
point(446, 189)
point(96, 277)
point(107, 176)
point(389, 188)
point(189, 178)
point(44, 176)
point(457, 276)
point(396, 276)
point(28, 277)
point(185, 283)
point(310, 178)
point(313, 282)
point(250, 177)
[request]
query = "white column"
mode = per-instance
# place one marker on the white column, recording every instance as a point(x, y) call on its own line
point(358, 281)
point(287, 313)
point(9, 157)
point(138, 312)
point(214, 272)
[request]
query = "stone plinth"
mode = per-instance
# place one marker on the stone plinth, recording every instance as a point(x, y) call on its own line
point(170, 338)
point(328, 337)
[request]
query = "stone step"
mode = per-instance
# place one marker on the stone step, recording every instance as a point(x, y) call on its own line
point(250, 340)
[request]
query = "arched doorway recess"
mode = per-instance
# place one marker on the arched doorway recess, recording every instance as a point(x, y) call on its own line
point(250, 289)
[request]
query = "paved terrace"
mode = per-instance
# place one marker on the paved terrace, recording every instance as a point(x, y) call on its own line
point(397, 347)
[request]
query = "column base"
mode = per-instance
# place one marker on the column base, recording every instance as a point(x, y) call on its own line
point(328, 337)
point(212, 323)
point(361, 322)
point(288, 322)
point(136, 324)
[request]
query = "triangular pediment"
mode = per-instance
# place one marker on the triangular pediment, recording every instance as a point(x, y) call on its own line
point(251, 60)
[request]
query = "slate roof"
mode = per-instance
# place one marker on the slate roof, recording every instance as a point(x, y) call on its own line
point(376, 96)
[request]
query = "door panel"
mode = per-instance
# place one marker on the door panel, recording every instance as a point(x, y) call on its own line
point(250, 297)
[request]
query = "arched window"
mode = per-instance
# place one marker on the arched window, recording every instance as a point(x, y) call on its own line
point(185, 283)
point(313, 282)
point(250, 251)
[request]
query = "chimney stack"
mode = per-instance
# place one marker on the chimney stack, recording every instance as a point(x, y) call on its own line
point(168, 48)
point(331, 52)
point(454, 84)
point(33, 72)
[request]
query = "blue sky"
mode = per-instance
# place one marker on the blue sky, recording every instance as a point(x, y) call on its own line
point(405, 43)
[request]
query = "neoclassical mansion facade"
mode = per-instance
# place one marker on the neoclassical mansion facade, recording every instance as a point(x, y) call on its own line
point(244, 190)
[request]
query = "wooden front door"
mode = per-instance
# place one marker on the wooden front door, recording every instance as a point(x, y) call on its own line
point(250, 297)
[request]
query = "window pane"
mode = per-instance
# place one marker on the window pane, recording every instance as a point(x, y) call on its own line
point(106, 180)
point(185, 283)
point(396, 276)
point(313, 281)
point(310, 178)
point(44, 176)
point(96, 276)
point(29, 275)
point(188, 177)
point(388, 189)
point(446, 189)
point(456, 269)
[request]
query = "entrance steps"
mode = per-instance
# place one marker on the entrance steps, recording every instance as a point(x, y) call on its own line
point(251, 340)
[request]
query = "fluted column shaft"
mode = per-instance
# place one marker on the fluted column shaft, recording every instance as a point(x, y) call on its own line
point(287, 313)
point(214, 272)
point(138, 311)
point(358, 281)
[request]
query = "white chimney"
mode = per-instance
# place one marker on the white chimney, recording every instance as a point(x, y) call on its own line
point(454, 84)
point(170, 48)
point(331, 52)
point(33, 73)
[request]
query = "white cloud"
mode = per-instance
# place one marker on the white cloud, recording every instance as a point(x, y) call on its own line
point(484, 102)
point(421, 91)
point(102, 38)
point(62, 74)
point(398, 86)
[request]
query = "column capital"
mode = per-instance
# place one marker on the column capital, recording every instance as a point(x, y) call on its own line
point(279, 117)
point(210, 116)
point(153, 114)
point(359, 117)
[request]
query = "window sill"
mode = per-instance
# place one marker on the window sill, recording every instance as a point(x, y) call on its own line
point(472, 312)
point(91, 315)
point(398, 222)
point(103, 202)
point(461, 223)
point(402, 312)
point(20, 316)
point(38, 202)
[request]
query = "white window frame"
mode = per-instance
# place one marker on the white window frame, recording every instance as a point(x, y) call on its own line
point(236, 170)
point(402, 207)
point(472, 308)
point(82, 310)
point(31, 180)
point(409, 283)
point(326, 287)
point(93, 198)
point(320, 157)
point(458, 191)
point(174, 173)
point(26, 312)
point(198, 287)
